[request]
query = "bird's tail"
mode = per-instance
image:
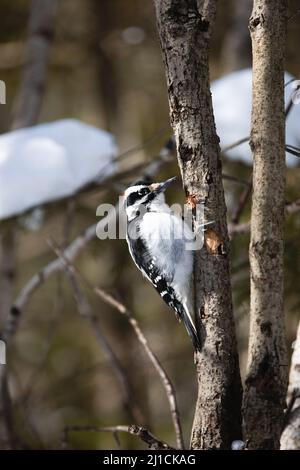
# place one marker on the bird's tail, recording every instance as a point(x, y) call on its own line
point(190, 328)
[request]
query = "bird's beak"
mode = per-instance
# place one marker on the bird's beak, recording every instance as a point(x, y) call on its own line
point(161, 187)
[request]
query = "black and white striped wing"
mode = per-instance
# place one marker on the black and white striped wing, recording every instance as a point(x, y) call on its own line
point(147, 266)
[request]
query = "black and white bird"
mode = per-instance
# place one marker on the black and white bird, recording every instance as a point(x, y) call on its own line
point(157, 240)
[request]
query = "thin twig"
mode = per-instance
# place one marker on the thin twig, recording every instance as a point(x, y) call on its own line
point(236, 180)
point(239, 229)
point(71, 252)
point(235, 144)
point(139, 431)
point(119, 176)
point(246, 139)
point(143, 145)
point(86, 311)
point(292, 150)
point(169, 388)
point(242, 202)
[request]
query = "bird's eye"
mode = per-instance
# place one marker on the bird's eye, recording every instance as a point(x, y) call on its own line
point(136, 196)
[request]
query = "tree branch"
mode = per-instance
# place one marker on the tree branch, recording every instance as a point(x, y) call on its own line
point(237, 212)
point(166, 382)
point(139, 431)
point(71, 252)
point(85, 310)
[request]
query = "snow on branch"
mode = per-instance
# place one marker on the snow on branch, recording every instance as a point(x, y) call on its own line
point(51, 161)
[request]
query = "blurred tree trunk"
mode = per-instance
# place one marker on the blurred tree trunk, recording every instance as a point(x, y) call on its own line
point(265, 387)
point(185, 29)
point(290, 439)
point(26, 111)
point(104, 16)
point(236, 53)
point(7, 270)
point(28, 101)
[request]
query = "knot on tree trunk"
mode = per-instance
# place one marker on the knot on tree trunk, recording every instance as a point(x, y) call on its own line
point(185, 16)
point(256, 21)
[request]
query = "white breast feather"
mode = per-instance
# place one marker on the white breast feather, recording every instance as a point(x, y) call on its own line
point(166, 236)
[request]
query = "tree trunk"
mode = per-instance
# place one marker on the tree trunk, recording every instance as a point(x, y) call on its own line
point(26, 112)
point(40, 34)
point(236, 50)
point(185, 30)
point(290, 439)
point(265, 386)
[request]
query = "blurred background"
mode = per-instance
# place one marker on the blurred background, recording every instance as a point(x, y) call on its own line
point(105, 68)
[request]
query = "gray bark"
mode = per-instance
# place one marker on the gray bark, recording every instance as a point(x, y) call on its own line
point(266, 380)
point(185, 30)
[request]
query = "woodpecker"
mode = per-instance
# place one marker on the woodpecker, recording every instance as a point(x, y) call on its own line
point(157, 240)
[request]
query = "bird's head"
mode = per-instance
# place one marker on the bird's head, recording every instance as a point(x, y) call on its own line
point(141, 193)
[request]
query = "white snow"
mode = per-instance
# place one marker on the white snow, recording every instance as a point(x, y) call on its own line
point(232, 101)
point(50, 161)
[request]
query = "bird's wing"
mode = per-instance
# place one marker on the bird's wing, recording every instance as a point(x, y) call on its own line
point(147, 264)
point(160, 281)
point(145, 261)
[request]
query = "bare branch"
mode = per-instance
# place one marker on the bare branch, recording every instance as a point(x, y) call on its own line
point(86, 311)
point(167, 384)
point(239, 229)
point(236, 180)
point(70, 253)
point(139, 431)
point(38, 279)
point(235, 144)
point(242, 202)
